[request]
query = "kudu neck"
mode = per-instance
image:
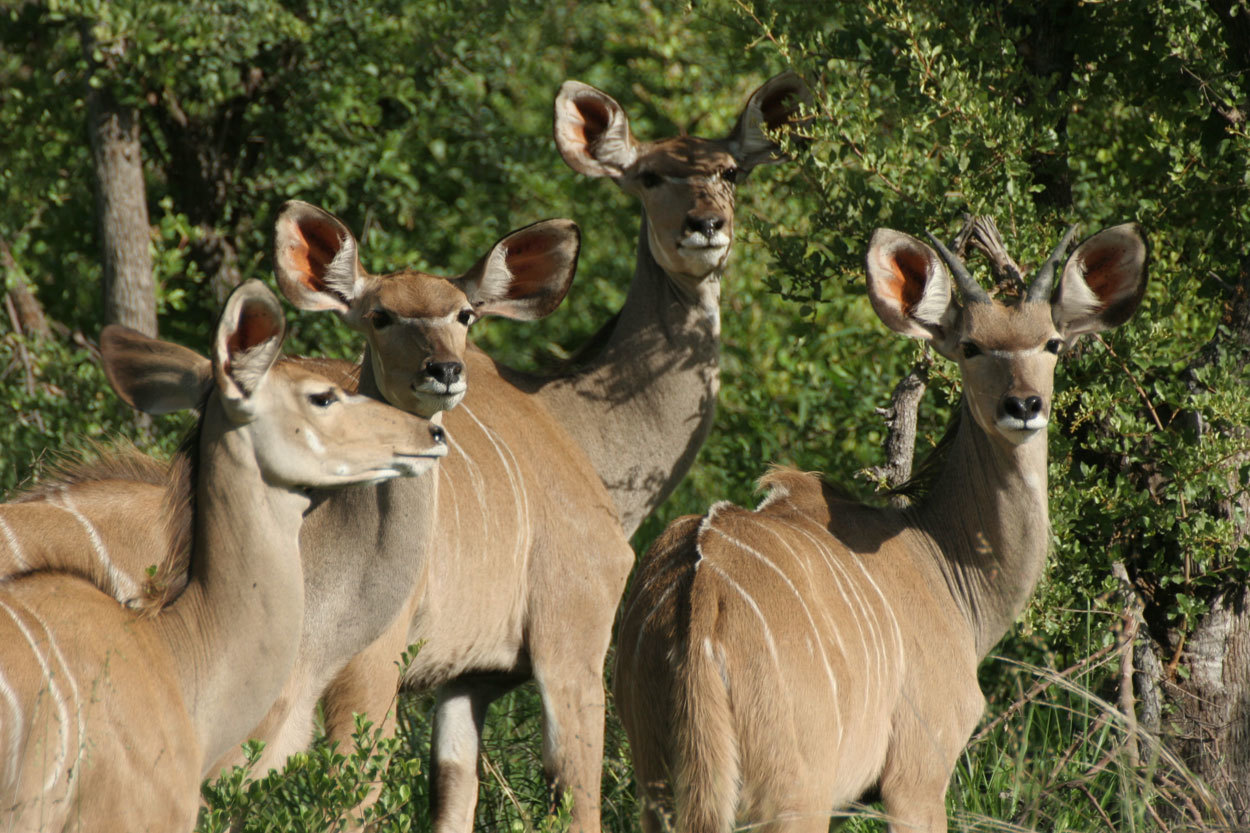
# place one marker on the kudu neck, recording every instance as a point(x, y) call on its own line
point(235, 629)
point(642, 401)
point(987, 515)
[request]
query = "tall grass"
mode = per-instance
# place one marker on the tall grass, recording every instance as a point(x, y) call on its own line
point(1055, 756)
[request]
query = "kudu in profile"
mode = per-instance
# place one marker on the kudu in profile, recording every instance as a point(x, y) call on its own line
point(110, 716)
point(775, 664)
point(542, 566)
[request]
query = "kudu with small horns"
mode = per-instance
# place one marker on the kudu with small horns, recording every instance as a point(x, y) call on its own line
point(776, 664)
point(108, 716)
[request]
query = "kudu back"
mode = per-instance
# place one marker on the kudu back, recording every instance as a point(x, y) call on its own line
point(775, 665)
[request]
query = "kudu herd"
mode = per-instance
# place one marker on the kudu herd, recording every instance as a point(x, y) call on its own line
point(772, 665)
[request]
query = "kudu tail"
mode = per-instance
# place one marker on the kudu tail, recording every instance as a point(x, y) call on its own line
point(706, 782)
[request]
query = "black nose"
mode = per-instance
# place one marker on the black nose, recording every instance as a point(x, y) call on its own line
point(706, 225)
point(438, 435)
point(1022, 409)
point(445, 372)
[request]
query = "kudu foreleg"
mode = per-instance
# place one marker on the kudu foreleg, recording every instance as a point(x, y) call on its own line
point(573, 714)
point(459, 715)
point(368, 685)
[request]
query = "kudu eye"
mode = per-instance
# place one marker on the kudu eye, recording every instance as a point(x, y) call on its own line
point(465, 317)
point(1055, 345)
point(381, 319)
point(438, 435)
point(969, 349)
point(730, 175)
point(650, 180)
point(324, 399)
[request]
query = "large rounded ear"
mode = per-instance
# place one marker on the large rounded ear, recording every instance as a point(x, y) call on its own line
point(248, 341)
point(775, 105)
point(592, 131)
point(526, 274)
point(315, 259)
point(910, 288)
point(1103, 282)
point(154, 376)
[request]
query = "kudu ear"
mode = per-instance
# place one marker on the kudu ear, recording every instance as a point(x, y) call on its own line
point(315, 259)
point(592, 131)
point(1103, 282)
point(247, 343)
point(910, 289)
point(775, 105)
point(151, 375)
point(526, 274)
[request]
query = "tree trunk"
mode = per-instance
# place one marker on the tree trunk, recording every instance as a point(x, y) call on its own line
point(121, 206)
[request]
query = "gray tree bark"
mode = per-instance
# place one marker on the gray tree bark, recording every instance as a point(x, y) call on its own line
point(121, 205)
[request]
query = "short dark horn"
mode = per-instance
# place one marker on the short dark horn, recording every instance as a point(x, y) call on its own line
point(972, 291)
point(1044, 283)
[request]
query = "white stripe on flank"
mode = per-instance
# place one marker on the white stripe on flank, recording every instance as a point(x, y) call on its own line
point(843, 580)
point(642, 626)
point(12, 764)
point(455, 505)
point(820, 643)
point(522, 522)
point(768, 634)
point(824, 609)
point(73, 686)
point(57, 698)
point(885, 604)
point(124, 588)
point(10, 538)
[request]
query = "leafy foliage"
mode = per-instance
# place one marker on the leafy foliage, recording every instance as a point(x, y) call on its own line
point(427, 127)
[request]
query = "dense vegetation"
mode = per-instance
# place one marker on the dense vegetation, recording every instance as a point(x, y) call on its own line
point(427, 127)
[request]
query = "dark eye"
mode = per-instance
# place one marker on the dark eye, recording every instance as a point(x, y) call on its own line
point(437, 435)
point(970, 349)
point(324, 399)
point(1054, 346)
point(729, 175)
point(650, 180)
point(465, 317)
point(381, 319)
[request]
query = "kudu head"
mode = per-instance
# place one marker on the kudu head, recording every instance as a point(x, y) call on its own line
point(1007, 351)
point(304, 430)
point(686, 184)
point(415, 323)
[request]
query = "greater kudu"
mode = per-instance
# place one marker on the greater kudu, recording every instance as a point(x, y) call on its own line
point(110, 716)
point(641, 398)
point(527, 561)
point(775, 664)
point(632, 413)
point(366, 552)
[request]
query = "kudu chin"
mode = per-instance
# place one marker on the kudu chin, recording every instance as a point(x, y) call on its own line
point(774, 665)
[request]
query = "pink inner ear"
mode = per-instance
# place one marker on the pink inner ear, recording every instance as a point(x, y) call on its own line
point(320, 243)
point(907, 286)
point(1103, 272)
point(777, 109)
point(595, 120)
point(531, 263)
point(256, 326)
